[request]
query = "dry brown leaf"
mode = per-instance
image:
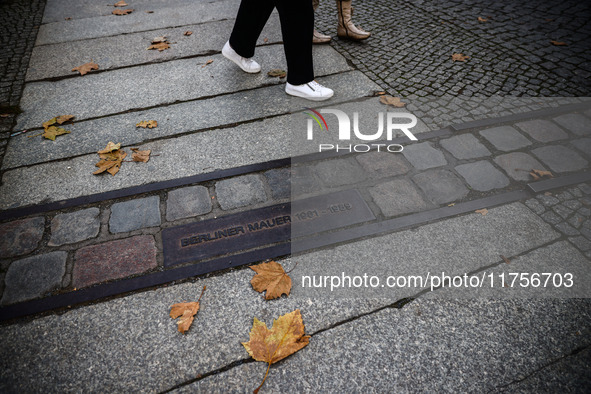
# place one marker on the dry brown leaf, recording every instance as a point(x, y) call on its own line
point(393, 101)
point(147, 123)
point(86, 67)
point(160, 46)
point(68, 18)
point(277, 73)
point(140, 155)
point(156, 40)
point(558, 43)
point(482, 211)
point(122, 12)
point(52, 131)
point(149, 12)
point(285, 337)
point(539, 174)
point(64, 118)
point(120, 4)
point(187, 312)
point(272, 278)
point(265, 40)
point(506, 260)
point(111, 146)
point(459, 57)
point(481, 19)
point(188, 33)
point(207, 63)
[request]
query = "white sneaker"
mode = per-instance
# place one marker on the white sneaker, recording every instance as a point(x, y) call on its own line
point(246, 64)
point(310, 91)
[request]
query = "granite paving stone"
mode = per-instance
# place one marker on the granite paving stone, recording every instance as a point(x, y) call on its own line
point(397, 197)
point(113, 260)
point(482, 176)
point(505, 138)
point(240, 191)
point(69, 228)
point(34, 276)
point(465, 146)
point(383, 164)
point(130, 49)
point(21, 236)
point(424, 156)
point(548, 200)
point(518, 165)
point(551, 217)
point(216, 111)
point(130, 88)
point(279, 181)
point(575, 123)
point(339, 172)
point(542, 130)
point(564, 196)
point(560, 158)
point(135, 214)
point(567, 229)
point(581, 243)
point(441, 186)
point(562, 211)
point(573, 204)
point(535, 206)
point(304, 180)
point(576, 220)
point(110, 25)
point(187, 202)
point(583, 144)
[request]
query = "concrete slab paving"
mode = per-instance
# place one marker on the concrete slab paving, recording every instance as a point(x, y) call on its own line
point(122, 90)
point(178, 119)
point(131, 344)
point(427, 346)
point(57, 60)
point(139, 20)
point(58, 10)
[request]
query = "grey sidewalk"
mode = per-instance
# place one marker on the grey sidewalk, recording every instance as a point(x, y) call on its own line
point(229, 145)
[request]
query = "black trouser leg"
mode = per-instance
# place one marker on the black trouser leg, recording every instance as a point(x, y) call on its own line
point(297, 25)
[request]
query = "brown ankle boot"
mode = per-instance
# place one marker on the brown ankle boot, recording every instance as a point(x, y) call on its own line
point(346, 28)
point(320, 38)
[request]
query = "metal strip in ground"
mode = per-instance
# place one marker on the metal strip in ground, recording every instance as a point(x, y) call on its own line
point(555, 183)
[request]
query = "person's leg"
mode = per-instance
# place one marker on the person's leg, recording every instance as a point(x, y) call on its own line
point(250, 21)
point(297, 26)
point(346, 28)
point(318, 37)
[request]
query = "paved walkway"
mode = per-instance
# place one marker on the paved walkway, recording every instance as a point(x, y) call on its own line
point(86, 278)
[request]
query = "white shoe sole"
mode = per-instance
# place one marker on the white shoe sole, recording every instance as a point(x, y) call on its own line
point(229, 57)
point(311, 98)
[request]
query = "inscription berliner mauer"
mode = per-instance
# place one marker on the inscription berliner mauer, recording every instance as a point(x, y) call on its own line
point(264, 226)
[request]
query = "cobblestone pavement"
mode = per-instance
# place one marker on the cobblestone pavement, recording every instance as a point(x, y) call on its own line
point(19, 22)
point(409, 52)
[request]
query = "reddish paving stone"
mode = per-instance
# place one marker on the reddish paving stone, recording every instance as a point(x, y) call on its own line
point(114, 260)
point(21, 236)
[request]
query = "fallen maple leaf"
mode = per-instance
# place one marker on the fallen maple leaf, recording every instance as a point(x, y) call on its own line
point(111, 147)
point(481, 19)
point(459, 57)
point(538, 174)
point(111, 159)
point(483, 211)
point(285, 337)
point(558, 43)
point(272, 278)
point(122, 12)
point(147, 123)
point(187, 312)
point(188, 33)
point(277, 73)
point(120, 4)
point(64, 118)
point(86, 67)
point(207, 63)
point(140, 155)
point(393, 101)
point(160, 46)
point(52, 131)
